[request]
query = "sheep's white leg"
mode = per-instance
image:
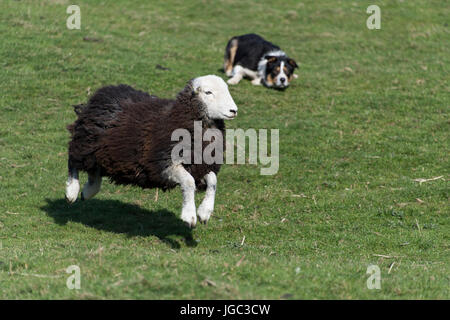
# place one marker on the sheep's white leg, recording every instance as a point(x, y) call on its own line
point(72, 186)
point(207, 206)
point(238, 74)
point(92, 187)
point(178, 174)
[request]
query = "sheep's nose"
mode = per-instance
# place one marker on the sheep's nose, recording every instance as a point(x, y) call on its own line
point(233, 111)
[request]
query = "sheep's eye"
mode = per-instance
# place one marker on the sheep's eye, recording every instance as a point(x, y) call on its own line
point(208, 92)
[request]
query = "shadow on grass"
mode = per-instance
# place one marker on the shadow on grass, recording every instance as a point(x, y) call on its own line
point(119, 217)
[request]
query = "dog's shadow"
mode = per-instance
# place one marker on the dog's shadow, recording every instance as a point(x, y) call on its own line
point(122, 218)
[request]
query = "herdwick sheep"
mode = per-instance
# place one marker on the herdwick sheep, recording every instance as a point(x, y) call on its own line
point(125, 134)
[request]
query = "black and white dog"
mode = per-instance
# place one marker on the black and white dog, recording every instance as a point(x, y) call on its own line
point(253, 57)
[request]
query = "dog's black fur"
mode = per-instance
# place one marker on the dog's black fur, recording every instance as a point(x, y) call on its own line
point(265, 59)
point(250, 49)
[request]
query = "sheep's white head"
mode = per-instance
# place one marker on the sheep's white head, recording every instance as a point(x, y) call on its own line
point(213, 92)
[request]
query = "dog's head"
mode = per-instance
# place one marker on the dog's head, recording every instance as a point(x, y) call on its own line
point(279, 71)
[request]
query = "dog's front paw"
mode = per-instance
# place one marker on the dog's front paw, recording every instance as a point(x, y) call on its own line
point(256, 82)
point(233, 81)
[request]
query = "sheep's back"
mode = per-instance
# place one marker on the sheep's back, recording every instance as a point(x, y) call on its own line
point(106, 122)
point(115, 94)
point(127, 135)
point(126, 150)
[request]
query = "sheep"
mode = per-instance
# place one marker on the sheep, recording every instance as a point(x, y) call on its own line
point(125, 134)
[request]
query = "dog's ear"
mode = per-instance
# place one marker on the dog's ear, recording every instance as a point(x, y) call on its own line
point(292, 63)
point(271, 59)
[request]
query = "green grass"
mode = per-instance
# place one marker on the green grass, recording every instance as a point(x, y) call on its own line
point(368, 115)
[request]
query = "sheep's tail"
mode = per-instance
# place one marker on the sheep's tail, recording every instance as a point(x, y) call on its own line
point(78, 108)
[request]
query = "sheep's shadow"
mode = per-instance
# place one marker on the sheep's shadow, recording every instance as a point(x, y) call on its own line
point(119, 217)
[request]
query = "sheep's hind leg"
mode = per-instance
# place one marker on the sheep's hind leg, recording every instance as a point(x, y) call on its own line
point(92, 187)
point(72, 185)
point(179, 175)
point(207, 206)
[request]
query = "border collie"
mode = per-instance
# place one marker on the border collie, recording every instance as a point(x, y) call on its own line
point(253, 57)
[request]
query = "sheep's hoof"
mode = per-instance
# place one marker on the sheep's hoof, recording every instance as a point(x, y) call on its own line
point(189, 217)
point(69, 201)
point(190, 225)
point(82, 197)
point(190, 222)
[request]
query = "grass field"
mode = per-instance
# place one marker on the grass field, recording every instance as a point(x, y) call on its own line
point(368, 116)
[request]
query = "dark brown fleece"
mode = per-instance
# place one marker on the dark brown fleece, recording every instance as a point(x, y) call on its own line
point(126, 134)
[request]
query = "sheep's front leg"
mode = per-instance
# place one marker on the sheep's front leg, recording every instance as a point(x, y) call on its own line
point(92, 187)
point(72, 185)
point(179, 175)
point(207, 206)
